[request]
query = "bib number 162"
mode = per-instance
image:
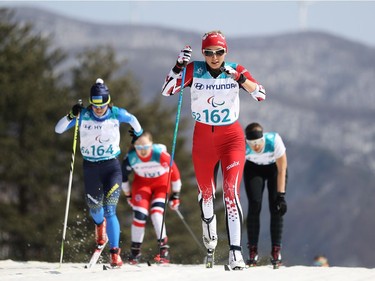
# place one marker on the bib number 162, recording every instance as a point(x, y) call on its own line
point(214, 116)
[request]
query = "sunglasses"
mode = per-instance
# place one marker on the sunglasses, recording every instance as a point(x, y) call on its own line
point(99, 106)
point(142, 147)
point(211, 53)
point(255, 142)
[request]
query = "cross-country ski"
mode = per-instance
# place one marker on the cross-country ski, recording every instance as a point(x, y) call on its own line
point(96, 255)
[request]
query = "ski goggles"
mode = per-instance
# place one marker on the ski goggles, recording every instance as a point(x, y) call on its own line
point(211, 53)
point(255, 142)
point(99, 106)
point(142, 147)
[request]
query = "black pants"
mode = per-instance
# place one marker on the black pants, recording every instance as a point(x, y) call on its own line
point(256, 178)
point(102, 184)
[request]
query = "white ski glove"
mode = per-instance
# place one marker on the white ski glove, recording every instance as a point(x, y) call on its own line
point(185, 55)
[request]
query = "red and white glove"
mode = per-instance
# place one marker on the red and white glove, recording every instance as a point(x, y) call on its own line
point(259, 94)
point(129, 199)
point(230, 71)
point(184, 56)
point(174, 201)
point(127, 191)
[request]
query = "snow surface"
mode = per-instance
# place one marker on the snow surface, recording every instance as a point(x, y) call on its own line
point(43, 271)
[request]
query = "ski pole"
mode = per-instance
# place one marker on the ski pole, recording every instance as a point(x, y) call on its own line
point(70, 183)
point(178, 114)
point(190, 231)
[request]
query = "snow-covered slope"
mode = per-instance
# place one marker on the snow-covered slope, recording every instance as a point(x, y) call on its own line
point(42, 271)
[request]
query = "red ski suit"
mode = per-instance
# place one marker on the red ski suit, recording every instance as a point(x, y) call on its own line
point(218, 139)
point(149, 188)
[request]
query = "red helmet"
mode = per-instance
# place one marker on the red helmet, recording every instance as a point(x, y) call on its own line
point(214, 39)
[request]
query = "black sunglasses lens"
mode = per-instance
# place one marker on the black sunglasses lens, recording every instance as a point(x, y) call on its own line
point(220, 52)
point(209, 53)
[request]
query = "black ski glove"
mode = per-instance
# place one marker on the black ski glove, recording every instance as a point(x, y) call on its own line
point(281, 206)
point(76, 109)
point(133, 135)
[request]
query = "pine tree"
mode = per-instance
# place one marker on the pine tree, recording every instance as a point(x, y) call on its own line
point(35, 164)
point(30, 96)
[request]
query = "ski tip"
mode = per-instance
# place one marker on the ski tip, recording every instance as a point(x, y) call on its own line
point(226, 267)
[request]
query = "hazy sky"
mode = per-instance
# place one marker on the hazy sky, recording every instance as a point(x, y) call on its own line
point(353, 20)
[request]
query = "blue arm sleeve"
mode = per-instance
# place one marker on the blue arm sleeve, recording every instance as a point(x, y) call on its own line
point(125, 117)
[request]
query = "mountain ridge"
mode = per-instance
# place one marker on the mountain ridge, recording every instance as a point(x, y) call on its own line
point(320, 99)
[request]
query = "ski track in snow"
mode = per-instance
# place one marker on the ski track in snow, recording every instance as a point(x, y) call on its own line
point(44, 271)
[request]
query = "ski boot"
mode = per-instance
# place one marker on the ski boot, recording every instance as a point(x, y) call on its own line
point(210, 258)
point(115, 257)
point(209, 232)
point(276, 257)
point(134, 260)
point(235, 259)
point(101, 233)
point(253, 256)
point(135, 254)
point(209, 239)
point(163, 256)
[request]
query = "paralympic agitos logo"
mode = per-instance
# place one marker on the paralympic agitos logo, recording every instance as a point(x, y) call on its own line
point(211, 101)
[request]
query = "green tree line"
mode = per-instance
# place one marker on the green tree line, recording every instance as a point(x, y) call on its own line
point(35, 162)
